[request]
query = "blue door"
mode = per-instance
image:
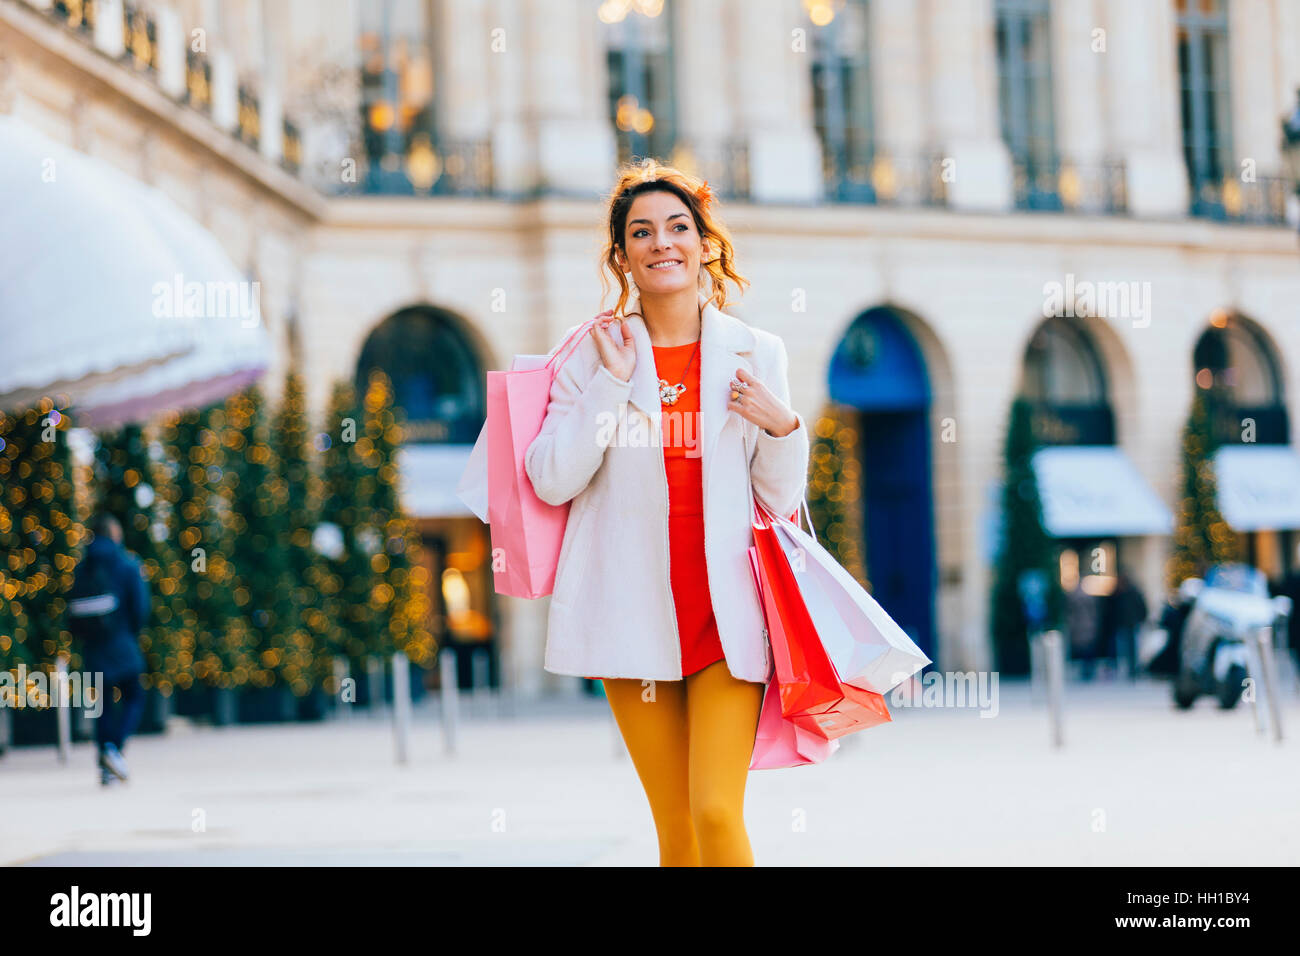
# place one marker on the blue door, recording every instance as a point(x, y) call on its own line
point(878, 370)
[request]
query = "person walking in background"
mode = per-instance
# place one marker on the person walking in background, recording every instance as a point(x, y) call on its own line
point(1081, 614)
point(1127, 609)
point(108, 606)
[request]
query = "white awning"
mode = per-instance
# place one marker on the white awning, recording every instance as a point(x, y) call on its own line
point(429, 474)
point(1258, 486)
point(89, 261)
point(1094, 490)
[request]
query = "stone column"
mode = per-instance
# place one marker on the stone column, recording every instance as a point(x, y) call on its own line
point(898, 87)
point(963, 103)
point(551, 129)
point(1253, 65)
point(773, 101)
point(276, 26)
point(1077, 82)
point(1142, 99)
point(464, 48)
point(110, 35)
point(172, 47)
point(705, 93)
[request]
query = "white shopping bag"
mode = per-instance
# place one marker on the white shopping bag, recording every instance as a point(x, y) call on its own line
point(473, 487)
point(866, 645)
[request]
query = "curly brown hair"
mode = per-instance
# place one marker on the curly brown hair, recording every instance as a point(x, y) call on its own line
point(649, 175)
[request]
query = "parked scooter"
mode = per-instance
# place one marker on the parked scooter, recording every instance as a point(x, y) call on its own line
point(1231, 605)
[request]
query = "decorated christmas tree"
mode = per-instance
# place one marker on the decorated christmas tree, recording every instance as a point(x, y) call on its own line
point(307, 660)
point(40, 535)
point(835, 491)
point(255, 523)
point(1201, 536)
point(347, 489)
point(1025, 546)
point(400, 599)
point(193, 459)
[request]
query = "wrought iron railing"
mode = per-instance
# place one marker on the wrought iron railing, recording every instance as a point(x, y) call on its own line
point(428, 168)
point(1261, 201)
point(906, 180)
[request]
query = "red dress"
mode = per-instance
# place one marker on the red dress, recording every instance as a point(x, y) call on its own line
point(688, 574)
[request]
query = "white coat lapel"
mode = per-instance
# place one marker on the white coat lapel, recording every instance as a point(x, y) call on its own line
point(726, 344)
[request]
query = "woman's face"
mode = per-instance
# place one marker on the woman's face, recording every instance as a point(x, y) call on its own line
point(661, 229)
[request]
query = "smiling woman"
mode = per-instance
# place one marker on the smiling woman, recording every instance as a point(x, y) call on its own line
point(675, 516)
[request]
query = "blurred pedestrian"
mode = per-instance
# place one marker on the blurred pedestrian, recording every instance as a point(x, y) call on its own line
point(1126, 612)
point(108, 606)
point(1081, 621)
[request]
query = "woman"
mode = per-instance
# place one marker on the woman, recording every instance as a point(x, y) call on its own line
point(663, 426)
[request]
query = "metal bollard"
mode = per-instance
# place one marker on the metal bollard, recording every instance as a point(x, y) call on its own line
point(1268, 671)
point(375, 680)
point(340, 678)
point(62, 713)
point(481, 668)
point(1036, 675)
point(401, 705)
point(1054, 658)
point(450, 695)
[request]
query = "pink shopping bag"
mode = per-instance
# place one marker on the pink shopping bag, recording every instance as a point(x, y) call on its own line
point(780, 742)
point(526, 531)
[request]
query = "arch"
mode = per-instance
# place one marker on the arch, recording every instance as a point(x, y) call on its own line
point(435, 362)
point(892, 369)
point(1239, 365)
point(1090, 395)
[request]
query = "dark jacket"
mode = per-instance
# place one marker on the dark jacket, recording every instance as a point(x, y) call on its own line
point(118, 655)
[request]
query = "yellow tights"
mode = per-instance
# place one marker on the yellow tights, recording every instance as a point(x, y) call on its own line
point(691, 741)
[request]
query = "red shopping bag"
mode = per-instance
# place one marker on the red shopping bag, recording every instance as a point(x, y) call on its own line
point(812, 694)
point(779, 741)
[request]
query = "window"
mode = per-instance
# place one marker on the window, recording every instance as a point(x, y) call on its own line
point(1025, 98)
point(1236, 366)
point(841, 87)
point(1206, 112)
point(1065, 380)
point(400, 84)
point(638, 50)
point(397, 103)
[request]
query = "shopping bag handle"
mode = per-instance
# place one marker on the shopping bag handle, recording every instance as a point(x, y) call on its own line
point(573, 338)
point(765, 517)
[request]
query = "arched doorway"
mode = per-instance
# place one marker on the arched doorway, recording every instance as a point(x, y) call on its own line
point(436, 366)
point(1237, 368)
point(879, 371)
point(1095, 502)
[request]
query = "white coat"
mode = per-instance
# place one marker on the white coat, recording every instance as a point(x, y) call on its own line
point(611, 611)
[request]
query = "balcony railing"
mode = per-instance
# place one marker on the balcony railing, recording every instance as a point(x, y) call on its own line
point(427, 168)
point(724, 165)
point(1059, 186)
point(1261, 202)
point(898, 180)
point(183, 74)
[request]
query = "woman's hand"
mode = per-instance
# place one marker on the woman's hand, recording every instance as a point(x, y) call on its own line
point(753, 401)
point(615, 344)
